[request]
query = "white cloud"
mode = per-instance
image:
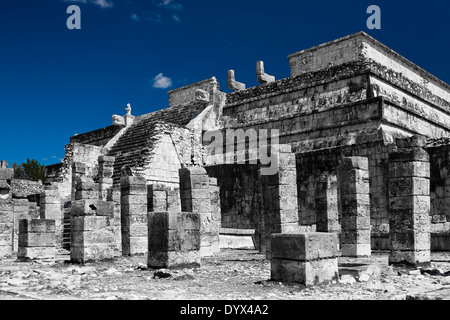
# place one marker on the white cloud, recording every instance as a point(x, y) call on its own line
point(161, 82)
point(103, 3)
point(176, 18)
point(135, 17)
point(169, 4)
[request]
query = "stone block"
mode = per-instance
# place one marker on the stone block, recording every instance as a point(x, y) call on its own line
point(174, 259)
point(132, 181)
point(304, 246)
point(350, 163)
point(89, 223)
point(410, 186)
point(37, 239)
point(6, 173)
point(36, 253)
point(304, 272)
point(409, 155)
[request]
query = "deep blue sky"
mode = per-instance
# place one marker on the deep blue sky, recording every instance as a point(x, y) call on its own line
point(57, 82)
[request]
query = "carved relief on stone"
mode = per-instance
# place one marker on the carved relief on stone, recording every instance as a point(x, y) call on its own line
point(118, 120)
point(233, 84)
point(126, 171)
point(262, 77)
point(202, 96)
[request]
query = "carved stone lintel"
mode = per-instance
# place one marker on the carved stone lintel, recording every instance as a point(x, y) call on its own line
point(233, 84)
point(262, 77)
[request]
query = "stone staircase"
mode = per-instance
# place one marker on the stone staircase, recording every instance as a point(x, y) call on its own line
point(140, 139)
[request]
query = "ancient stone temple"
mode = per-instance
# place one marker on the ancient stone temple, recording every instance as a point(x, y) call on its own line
point(331, 149)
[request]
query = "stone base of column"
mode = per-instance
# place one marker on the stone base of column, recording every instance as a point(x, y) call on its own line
point(174, 240)
point(306, 258)
point(37, 240)
point(415, 258)
point(92, 239)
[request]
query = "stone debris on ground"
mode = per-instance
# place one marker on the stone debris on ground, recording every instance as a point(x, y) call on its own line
point(230, 275)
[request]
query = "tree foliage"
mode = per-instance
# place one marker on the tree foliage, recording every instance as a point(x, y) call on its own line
point(30, 170)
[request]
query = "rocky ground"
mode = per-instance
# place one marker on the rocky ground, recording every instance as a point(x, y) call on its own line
point(230, 275)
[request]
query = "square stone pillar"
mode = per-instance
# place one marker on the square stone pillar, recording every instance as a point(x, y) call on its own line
point(6, 210)
point(280, 199)
point(92, 233)
point(326, 203)
point(306, 258)
point(409, 205)
point(78, 171)
point(174, 240)
point(354, 204)
point(133, 208)
point(196, 198)
point(51, 209)
point(114, 196)
point(21, 211)
point(105, 173)
point(37, 240)
point(92, 239)
point(157, 198)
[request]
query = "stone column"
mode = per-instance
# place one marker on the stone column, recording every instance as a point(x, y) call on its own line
point(6, 210)
point(50, 209)
point(114, 196)
point(354, 204)
point(326, 203)
point(105, 173)
point(78, 171)
point(21, 211)
point(157, 198)
point(133, 207)
point(195, 198)
point(37, 240)
point(280, 199)
point(174, 239)
point(92, 234)
point(216, 213)
point(409, 203)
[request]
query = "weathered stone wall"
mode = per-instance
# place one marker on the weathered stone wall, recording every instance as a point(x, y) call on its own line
point(240, 194)
point(98, 137)
point(361, 46)
point(312, 165)
point(186, 94)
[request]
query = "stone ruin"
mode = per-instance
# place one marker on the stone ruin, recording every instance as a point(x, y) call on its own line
point(363, 166)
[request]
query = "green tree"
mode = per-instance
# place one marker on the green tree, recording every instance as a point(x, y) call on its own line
point(31, 170)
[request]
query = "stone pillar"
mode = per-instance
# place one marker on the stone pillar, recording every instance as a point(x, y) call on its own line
point(36, 240)
point(157, 198)
point(326, 204)
point(6, 210)
point(50, 209)
point(354, 205)
point(21, 211)
point(92, 234)
point(92, 239)
point(114, 196)
point(105, 173)
point(133, 207)
point(216, 212)
point(174, 240)
point(409, 203)
point(306, 258)
point(195, 198)
point(280, 199)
